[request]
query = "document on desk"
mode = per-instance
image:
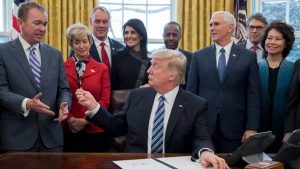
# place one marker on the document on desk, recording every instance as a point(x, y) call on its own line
point(181, 162)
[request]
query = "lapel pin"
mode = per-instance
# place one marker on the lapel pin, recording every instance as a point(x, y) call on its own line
point(234, 55)
point(180, 106)
point(92, 70)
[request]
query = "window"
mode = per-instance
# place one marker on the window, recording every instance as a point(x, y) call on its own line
point(5, 19)
point(288, 10)
point(154, 13)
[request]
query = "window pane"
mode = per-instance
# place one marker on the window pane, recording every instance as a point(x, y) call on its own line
point(134, 1)
point(294, 14)
point(154, 46)
point(116, 21)
point(159, 2)
point(155, 25)
point(4, 38)
point(2, 19)
point(268, 9)
point(135, 11)
point(110, 1)
point(295, 53)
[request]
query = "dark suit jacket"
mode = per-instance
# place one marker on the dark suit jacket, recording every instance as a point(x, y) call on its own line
point(292, 115)
point(114, 47)
point(237, 98)
point(17, 83)
point(125, 70)
point(186, 131)
point(188, 56)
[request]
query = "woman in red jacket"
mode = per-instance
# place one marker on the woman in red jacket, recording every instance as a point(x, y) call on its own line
point(86, 73)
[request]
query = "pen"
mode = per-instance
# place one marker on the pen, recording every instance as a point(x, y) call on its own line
point(195, 160)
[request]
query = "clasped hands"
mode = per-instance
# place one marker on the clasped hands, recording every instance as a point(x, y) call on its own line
point(37, 105)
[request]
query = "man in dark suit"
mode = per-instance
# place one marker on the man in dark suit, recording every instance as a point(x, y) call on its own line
point(182, 122)
point(172, 36)
point(255, 25)
point(227, 76)
point(100, 21)
point(34, 91)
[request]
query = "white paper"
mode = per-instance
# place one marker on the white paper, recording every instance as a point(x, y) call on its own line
point(181, 162)
point(140, 164)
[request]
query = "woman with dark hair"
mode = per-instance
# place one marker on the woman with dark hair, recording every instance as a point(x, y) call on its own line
point(129, 66)
point(275, 76)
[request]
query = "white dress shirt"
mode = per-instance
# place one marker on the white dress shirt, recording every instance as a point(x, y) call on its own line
point(106, 46)
point(227, 49)
point(259, 49)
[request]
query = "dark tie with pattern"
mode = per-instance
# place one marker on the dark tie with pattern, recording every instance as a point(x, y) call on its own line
point(104, 55)
point(222, 64)
point(254, 47)
point(158, 127)
point(35, 65)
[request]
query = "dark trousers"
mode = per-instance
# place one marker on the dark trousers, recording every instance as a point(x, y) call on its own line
point(221, 143)
point(87, 142)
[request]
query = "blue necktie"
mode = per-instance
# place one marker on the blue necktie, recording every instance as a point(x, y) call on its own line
point(222, 64)
point(35, 65)
point(158, 127)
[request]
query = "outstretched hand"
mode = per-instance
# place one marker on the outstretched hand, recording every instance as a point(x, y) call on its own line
point(63, 112)
point(35, 104)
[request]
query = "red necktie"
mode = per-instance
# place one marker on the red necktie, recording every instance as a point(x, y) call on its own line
point(104, 55)
point(254, 47)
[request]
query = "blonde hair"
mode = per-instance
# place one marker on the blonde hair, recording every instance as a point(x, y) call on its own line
point(78, 31)
point(176, 62)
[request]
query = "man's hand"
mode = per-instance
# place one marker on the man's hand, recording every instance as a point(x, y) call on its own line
point(38, 106)
point(63, 112)
point(77, 124)
point(247, 134)
point(208, 158)
point(86, 99)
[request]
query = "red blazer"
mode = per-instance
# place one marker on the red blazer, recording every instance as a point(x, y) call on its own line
point(95, 80)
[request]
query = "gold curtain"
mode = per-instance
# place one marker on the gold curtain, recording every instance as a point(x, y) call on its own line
point(194, 17)
point(61, 14)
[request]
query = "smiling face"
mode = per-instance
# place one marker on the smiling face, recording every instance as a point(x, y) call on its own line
point(132, 38)
point(81, 47)
point(220, 31)
point(171, 36)
point(275, 42)
point(100, 23)
point(33, 28)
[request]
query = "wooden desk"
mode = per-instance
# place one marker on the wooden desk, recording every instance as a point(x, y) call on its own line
point(70, 160)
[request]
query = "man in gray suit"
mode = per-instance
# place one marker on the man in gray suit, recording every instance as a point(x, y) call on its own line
point(34, 92)
point(227, 76)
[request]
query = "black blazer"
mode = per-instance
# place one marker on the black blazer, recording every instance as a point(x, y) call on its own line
point(188, 56)
point(114, 47)
point(186, 131)
point(292, 115)
point(237, 98)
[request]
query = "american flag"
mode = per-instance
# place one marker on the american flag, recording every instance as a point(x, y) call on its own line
point(240, 14)
point(15, 28)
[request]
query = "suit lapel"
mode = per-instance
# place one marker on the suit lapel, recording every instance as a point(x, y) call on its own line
point(94, 53)
point(232, 60)
point(22, 60)
point(91, 68)
point(70, 69)
point(112, 48)
point(213, 62)
point(176, 112)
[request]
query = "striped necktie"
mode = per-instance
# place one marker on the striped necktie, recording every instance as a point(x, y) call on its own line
point(158, 127)
point(35, 65)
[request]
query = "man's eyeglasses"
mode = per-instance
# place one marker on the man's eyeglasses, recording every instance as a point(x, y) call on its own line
point(251, 27)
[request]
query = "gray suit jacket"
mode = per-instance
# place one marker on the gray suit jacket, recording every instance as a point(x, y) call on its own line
point(17, 83)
